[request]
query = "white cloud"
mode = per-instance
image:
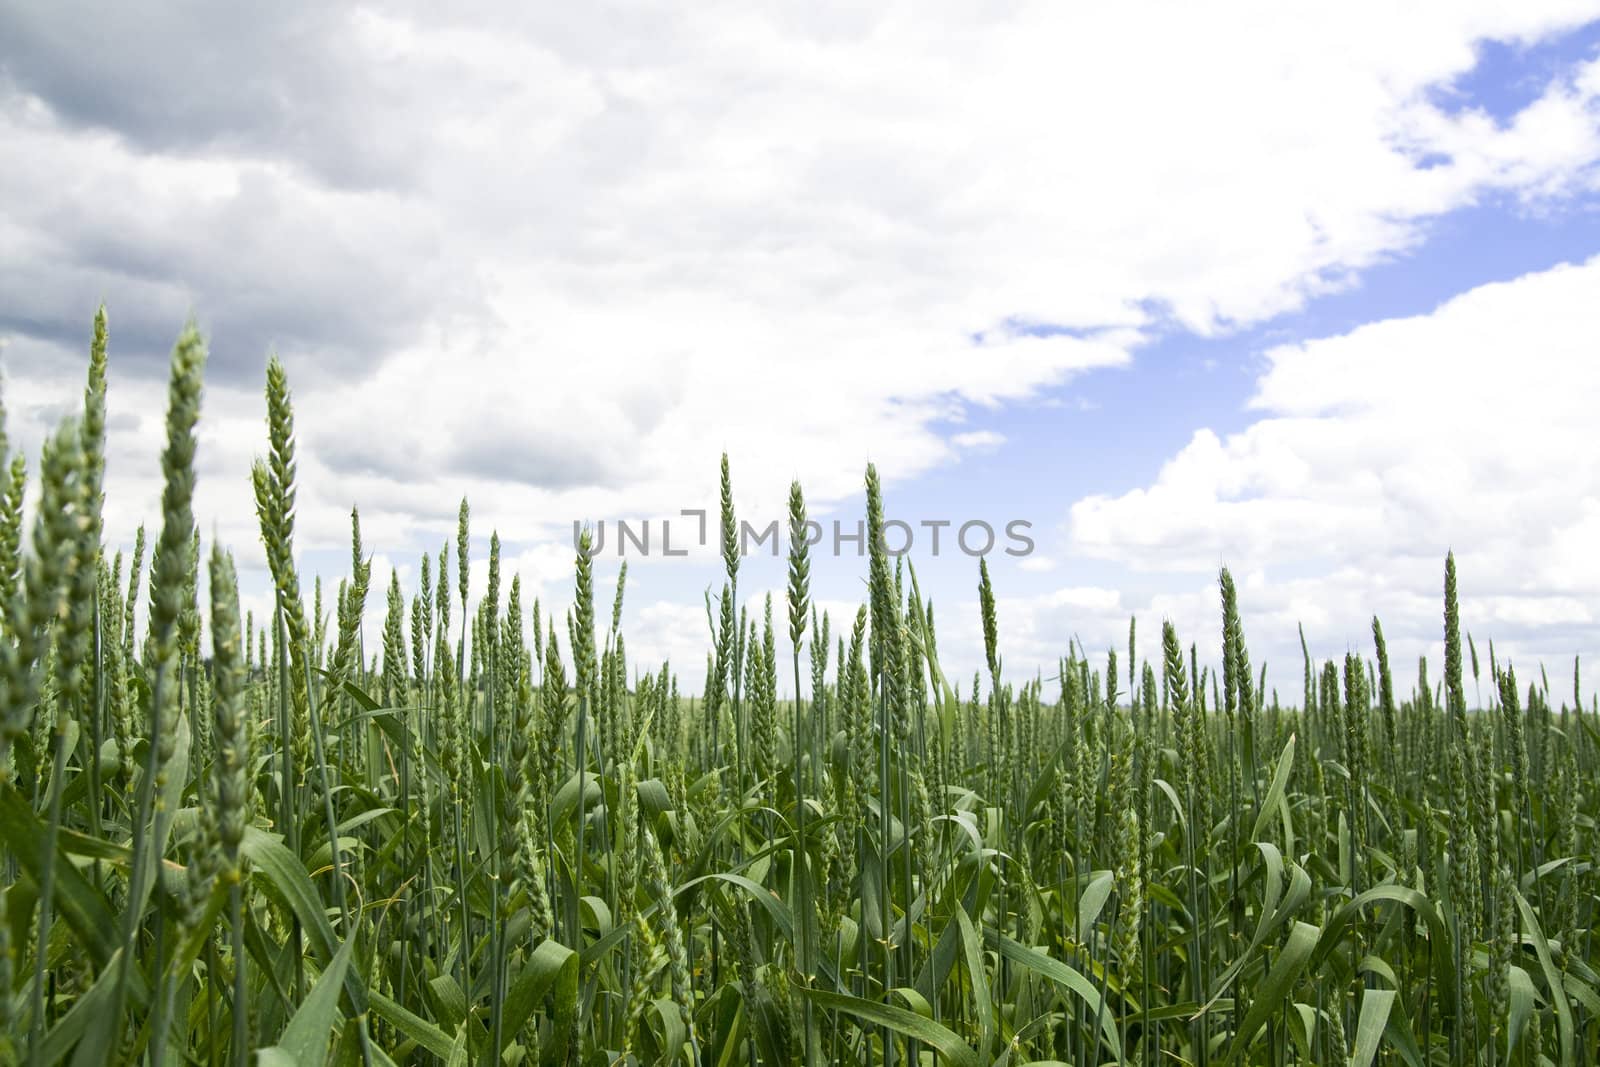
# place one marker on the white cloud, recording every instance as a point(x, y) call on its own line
point(978, 440)
point(1377, 451)
point(560, 267)
point(786, 228)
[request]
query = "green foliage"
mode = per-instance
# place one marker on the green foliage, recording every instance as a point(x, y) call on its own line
point(448, 854)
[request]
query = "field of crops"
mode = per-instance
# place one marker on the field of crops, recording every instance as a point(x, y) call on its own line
point(498, 839)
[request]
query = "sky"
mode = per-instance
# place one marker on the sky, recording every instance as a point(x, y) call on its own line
point(1306, 292)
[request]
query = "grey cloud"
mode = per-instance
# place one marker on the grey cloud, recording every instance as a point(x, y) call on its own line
point(200, 76)
point(539, 460)
point(283, 85)
point(390, 457)
point(332, 249)
point(284, 81)
point(337, 282)
point(520, 455)
point(592, 35)
point(345, 326)
point(518, 437)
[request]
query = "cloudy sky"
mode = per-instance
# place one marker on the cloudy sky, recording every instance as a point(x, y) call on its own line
point(1309, 292)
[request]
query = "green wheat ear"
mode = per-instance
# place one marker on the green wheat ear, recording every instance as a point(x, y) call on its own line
point(1111, 679)
point(991, 623)
point(1452, 634)
point(422, 623)
point(15, 486)
point(1472, 651)
point(41, 602)
point(1241, 697)
point(229, 797)
point(171, 564)
point(273, 480)
point(616, 604)
point(582, 638)
point(394, 640)
point(880, 582)
point(799, 566)
point(729, 527)
point(94, 423)
point(1386, 706)
point(462, 553)
point(75, 636)
point(135, 570)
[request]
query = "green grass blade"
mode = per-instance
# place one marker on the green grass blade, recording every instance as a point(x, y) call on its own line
point(305, 1039)
point(1274, 988)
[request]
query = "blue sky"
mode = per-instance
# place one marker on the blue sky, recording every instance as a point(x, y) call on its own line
point(1307, 300)
point(1509, 75)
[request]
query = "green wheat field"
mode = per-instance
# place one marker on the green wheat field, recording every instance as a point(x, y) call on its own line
point(494, 839)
